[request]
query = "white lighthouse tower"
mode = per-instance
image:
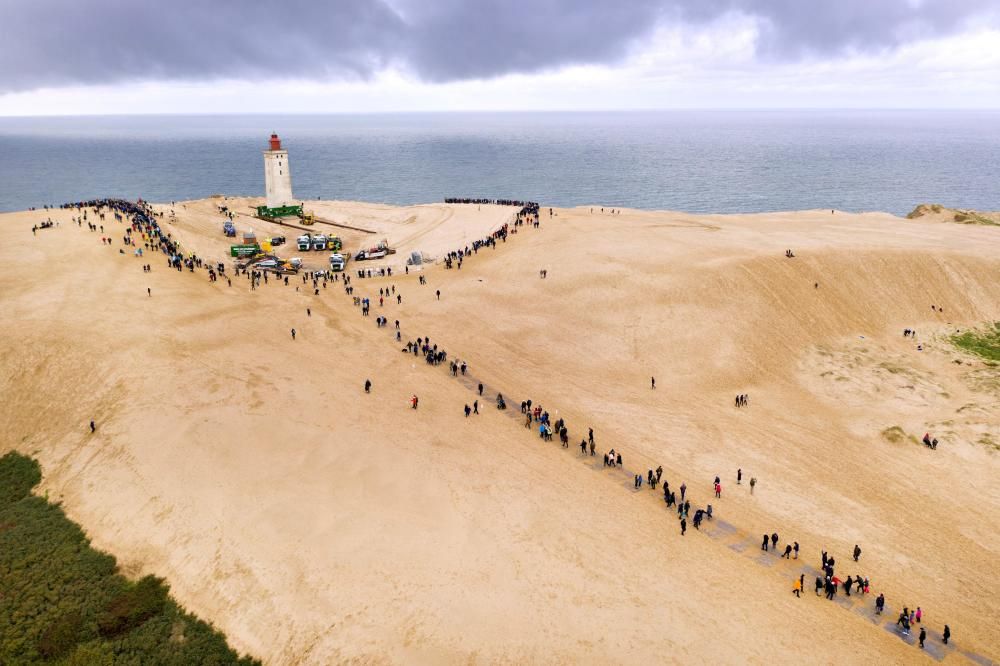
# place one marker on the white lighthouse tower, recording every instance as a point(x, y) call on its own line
point(277, 175)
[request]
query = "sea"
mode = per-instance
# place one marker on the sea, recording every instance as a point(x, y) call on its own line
point(697, 161)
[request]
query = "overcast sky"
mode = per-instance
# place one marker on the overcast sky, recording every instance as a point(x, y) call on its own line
point(198, 56)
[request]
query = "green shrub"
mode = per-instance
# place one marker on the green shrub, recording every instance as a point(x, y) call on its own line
point(61, 636)
point(133, 606)
point(984, 343)
point(62, 600)
point(18, 475)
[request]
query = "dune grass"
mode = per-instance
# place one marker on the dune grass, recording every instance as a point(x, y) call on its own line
point(63, 601)
point(984, 342)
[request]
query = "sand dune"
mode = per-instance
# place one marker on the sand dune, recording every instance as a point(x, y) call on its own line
point(313, 523)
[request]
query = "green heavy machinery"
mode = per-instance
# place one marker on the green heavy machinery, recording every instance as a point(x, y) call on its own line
point(265, 213)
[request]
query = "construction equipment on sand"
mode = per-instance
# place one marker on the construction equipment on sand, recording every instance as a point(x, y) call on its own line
point(377, 252)
point(265, 213)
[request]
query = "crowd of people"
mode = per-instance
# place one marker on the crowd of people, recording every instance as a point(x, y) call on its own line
point(142, 226)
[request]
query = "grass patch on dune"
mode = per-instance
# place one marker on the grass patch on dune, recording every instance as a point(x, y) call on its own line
point(984, 342)
point(897, 435)
point(61, 600)
point(894, 434)
point(972, 217)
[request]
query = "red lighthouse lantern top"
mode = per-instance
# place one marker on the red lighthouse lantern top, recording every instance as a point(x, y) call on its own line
point(275, 142)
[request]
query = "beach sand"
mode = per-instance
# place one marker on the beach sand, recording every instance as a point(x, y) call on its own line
point(313, 523)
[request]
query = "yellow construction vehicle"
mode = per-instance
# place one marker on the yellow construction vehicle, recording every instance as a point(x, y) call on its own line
point(308, 219)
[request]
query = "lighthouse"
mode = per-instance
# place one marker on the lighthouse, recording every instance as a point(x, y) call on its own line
point(277, 175)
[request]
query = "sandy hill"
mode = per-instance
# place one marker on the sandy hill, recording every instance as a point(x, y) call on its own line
point(939, 213)
point(314, 523)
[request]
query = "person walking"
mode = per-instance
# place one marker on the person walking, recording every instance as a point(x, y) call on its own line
point(788, 552)
point(857, 552)
point(93, 427)
point(413, 401)
point(480, 388)
point(879, 604)
point(368, 386)
point(763, 544)
point(439, 294)
point(774, 541)
point(797, 587)
point(652, 381)
point(683, 490)
point(753, 482)
point(739, 476)
point(718, 489)
point(922, 637)
point(468, 410)
point(946, 635)
point(684, 526)
point(293, 334)
point(475, 406)
point(796, 549)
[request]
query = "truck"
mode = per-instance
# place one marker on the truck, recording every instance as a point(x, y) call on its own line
point(304, 242)
point(319, 242)
point(229, 229)
point(337, 262)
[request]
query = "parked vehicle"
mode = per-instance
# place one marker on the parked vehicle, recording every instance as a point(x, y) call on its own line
point(304, 243)
point(319, 242)
point(337, 262)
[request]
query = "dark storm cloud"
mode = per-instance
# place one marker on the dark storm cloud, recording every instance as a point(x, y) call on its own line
point(63, 42)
